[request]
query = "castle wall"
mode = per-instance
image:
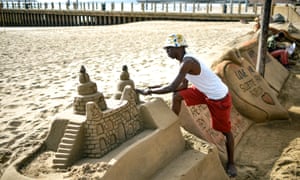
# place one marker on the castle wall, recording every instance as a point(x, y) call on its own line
point(106, 130)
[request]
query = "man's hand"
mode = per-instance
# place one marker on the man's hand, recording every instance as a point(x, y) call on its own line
point(155, 86)
point(146, 91)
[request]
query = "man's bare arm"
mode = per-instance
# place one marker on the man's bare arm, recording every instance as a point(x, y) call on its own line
point(175, 85)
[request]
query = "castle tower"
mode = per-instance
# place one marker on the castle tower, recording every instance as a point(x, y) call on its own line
point(87, 91)
point(124, 81)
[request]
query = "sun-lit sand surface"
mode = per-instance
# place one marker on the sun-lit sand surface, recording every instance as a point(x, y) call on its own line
point(39, 72)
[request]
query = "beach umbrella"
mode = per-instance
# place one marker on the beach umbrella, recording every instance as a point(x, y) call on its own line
point(262, 46)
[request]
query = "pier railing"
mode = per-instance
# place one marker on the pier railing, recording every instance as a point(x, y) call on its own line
point(94, 13)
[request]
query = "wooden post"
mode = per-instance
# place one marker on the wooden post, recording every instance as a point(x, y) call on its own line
point(255, 8)
point(174, 6)
point(231, 6)
point(180, 7)
point(1, 17)
point(167, 7)
point(262, 46)
point(207, 8)
point(194, 7)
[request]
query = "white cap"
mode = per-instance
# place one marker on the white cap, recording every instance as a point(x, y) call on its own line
point(175, 40)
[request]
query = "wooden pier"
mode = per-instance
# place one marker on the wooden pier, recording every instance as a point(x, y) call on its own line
point(20, 14)
point(75, 18)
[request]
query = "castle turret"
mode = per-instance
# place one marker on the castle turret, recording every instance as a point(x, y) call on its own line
point(87, 91)
point(124, 81)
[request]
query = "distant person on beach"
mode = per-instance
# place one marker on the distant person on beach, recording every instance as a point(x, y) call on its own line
point(280, 51)
point(207, 88)
point(257, 24)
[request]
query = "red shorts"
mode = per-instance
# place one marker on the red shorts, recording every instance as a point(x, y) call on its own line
point(219, 109)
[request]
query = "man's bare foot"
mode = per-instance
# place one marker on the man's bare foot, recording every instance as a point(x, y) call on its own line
point(231, 170)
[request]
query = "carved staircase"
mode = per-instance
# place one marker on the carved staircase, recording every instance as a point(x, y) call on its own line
point(69, 148)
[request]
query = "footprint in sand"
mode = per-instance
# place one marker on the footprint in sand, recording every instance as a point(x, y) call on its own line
point(11, 106)
point(14, 123)
point(3, 136)
point(20, 135)
point(10, 129)
point(249, 170)
point(5, 155)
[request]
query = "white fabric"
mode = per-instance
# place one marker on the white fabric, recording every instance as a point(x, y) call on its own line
point(291, 48)
point(207, 82)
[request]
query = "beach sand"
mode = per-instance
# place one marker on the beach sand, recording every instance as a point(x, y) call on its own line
point(39, 75)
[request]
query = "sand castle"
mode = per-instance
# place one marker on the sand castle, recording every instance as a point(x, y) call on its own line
point(123, 134)
point(120, 134)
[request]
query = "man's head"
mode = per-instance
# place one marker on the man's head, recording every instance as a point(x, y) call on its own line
point(174, 45)
point(279, 36)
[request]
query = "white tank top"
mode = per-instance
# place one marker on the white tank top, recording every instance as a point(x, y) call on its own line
point(207, 82)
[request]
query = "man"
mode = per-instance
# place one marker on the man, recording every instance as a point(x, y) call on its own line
point(257, 24)
point(280, 52)
point(207, 89)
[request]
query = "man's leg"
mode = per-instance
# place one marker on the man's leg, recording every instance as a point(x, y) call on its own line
point(220, 113)
point(282, 55)
point(191, 96)
point(285, 57)
point(231, 169)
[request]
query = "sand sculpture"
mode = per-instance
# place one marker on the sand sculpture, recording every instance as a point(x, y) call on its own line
point(103, 130)
point(251, 94)
point(120, 138)
point(123, 82)
point(87, 91)
point(128, 133)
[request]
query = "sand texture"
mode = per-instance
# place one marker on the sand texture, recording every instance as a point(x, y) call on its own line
point(39, 75)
